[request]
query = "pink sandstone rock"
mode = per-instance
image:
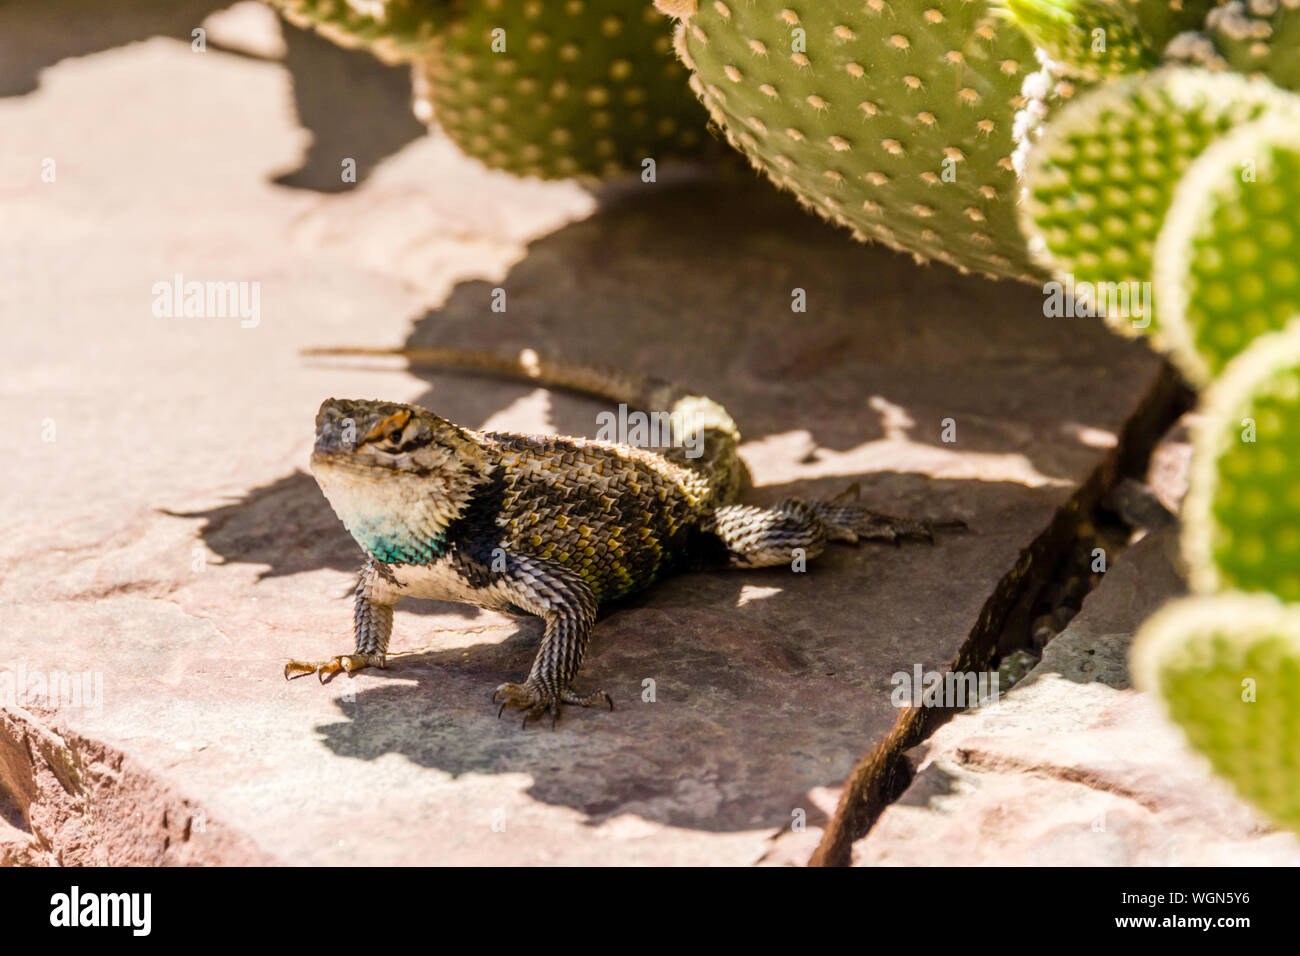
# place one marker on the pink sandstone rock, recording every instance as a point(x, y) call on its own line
point(160, 533)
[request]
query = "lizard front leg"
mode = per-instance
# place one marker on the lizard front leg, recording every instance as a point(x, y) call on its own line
point(568, 606)
point(372, 625)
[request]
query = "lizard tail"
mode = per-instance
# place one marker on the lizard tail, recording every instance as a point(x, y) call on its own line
point(704, 437)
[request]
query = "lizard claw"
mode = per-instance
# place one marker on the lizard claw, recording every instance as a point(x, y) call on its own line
point(325, 670)
point(853, 523)
point(535, 700)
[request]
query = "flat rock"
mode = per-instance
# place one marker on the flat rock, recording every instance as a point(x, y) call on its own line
point(1073, 766)
point(164, 545)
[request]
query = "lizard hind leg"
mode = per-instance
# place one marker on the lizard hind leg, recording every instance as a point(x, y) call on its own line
point(757, 537)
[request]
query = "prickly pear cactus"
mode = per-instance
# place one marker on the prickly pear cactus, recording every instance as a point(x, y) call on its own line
point(892, 119)
point(394, 30)
point(1092, 39)
point(1241, 519)
point(1226, 268)
point(899, 121)
point(1259, 36)
point(1098, 183)
point(549, 88)
point(1228, 671)
point(564, 87)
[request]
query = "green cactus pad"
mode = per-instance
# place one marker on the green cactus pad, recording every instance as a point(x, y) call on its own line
point(1099, 181)
point(548, 88)
point(1226, 268)
point(1241, 519)
point(1227, 669)
point(892, 119)
point(1262, 36)
point(582, 88)
point(394, 30)
point(1093, 39)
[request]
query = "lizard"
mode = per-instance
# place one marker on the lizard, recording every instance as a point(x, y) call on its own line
point(549, 526)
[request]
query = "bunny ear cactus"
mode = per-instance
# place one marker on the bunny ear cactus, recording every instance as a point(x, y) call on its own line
point(563, 88)
point(1242, 513)
point(900, 121)
point(1091, 39)
point(892, 119)
point(1099, 181)
point(1226, 663)
point(1226, 269)
point(1260, 36)
point(394, 30)
point(1228, 671)
point(548, 88)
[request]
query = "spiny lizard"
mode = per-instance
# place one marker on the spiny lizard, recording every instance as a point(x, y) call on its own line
point(549, 526)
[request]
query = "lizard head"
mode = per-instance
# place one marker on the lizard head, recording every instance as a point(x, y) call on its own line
point(396, 475)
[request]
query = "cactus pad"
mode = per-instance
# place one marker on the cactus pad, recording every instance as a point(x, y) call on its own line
point(1228, 671)
point(1242, 514)
point(1092, 39)
point(892, 119)
point(1225, 262)
point(394, 30)
point(582, 87)
point(549, 88)
point(1261, 36)
point(1099, 181)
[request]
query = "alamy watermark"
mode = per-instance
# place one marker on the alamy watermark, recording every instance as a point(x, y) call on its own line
point(22, 687)
point(176, 299)
point(1071, 299)
point(133, 911)
point(958, 689)
point(650, 430)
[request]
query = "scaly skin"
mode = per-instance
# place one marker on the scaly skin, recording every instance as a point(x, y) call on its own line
point(548, 526)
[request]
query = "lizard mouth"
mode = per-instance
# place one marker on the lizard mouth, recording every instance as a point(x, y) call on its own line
point(350, 461)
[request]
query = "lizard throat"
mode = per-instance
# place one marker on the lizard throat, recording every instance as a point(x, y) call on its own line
point(396, 520)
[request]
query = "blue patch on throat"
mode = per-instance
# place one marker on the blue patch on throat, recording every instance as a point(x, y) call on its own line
point(402, 548)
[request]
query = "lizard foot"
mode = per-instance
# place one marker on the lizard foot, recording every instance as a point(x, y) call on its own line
point(348, 663)
point(853, 523)
point(534, 700)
